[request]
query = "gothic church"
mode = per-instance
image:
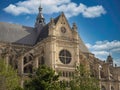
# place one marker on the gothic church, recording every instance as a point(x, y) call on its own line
point(56, 45)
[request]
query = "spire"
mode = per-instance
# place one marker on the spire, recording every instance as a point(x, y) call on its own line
point(40, 18)
point(109, 59)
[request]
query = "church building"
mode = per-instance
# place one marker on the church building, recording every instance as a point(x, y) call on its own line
point(55, 44)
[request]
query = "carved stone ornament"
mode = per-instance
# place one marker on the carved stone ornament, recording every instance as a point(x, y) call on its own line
point(63, 29)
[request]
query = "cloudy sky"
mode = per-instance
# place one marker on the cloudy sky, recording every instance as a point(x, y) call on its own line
point(98, 21)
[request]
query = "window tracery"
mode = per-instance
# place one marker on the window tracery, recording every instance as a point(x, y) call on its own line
point(65, 56)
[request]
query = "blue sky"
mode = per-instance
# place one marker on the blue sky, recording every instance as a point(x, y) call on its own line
point(98, 21)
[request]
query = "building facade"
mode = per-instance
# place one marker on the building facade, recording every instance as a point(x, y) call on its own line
point(56, 45)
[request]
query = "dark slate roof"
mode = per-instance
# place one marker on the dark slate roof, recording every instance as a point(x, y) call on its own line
point(43, 34)
point(44, 31)
point(17, 34)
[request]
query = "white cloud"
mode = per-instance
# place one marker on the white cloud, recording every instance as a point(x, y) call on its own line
point(51, 7)
point(116, 50)
point(94, 11)
point(16, 10)
point(100, 53)
point(88, 45)
point(106, 45)
point(101, 49)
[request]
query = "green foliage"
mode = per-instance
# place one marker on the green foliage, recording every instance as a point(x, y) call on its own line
point(9, 77)
point(83, 81)
point(43, 79)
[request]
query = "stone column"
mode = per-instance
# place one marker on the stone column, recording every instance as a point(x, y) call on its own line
point(7, 60)
point(36, 62)
point(20, 65)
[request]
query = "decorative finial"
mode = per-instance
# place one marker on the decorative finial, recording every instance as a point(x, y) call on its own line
point(74, 27)
point(40, 7)
point(40, 20)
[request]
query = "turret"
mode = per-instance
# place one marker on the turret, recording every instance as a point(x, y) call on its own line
point(40, 20)
point(51, 27)
point(74, 27)
point(75, 31)
point(110, 60)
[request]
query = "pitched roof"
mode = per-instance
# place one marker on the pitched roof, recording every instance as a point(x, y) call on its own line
point(82, 47)
point(43, 34)
point(17, 34)
point(44, 31)
point(13, 33)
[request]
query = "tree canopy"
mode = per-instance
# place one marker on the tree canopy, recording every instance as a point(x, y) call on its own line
point(9, 79)
point(44, 78)
point(82, 80)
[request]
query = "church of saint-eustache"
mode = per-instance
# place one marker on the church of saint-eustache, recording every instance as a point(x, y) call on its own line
point(55, 44)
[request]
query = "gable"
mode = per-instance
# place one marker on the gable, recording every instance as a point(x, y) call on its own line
point(63, 28)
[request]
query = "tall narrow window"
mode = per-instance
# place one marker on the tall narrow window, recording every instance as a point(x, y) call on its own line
point(41, 61)
point(25, 60)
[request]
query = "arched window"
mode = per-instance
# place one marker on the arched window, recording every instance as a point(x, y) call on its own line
point(65, 56)
point(41, 61)
point(103, 88)
point(63, 74)
point(28, 69)
point(66, 74)
point(25, 60)
point(30, 58)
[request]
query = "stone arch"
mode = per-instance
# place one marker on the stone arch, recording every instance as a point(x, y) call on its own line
point(42, 52)
point(30, 58)
point(27, 58)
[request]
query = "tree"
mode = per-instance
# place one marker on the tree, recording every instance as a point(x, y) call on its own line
point(44, 78)
point(82, 80)
point(9, 79)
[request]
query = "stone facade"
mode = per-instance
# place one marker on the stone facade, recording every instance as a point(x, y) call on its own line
point(56, 45)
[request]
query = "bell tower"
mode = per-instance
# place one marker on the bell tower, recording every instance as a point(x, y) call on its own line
point(40, 20)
